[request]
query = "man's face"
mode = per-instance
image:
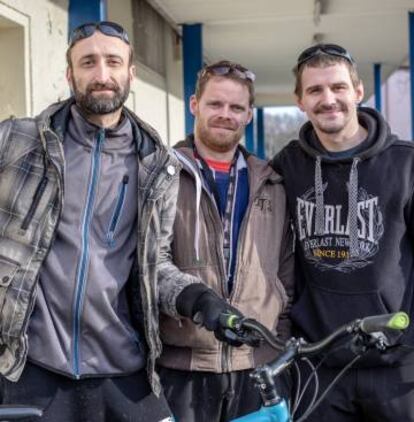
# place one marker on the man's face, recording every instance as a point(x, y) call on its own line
point(330, 100)
point(221, 114)
point(100, 74)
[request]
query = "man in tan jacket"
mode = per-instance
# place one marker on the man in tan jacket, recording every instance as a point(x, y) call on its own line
point(231, 233)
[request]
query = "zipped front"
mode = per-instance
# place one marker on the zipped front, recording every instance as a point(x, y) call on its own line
point(117, 211)
point(82, 272)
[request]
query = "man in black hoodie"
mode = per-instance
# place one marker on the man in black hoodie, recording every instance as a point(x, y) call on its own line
point(349, 185)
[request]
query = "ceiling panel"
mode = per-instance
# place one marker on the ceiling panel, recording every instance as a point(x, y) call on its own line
point(268, 35)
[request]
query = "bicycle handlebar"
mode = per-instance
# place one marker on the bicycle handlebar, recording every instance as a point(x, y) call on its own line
point(17, 412)
point(364, 333)
point(368, 325)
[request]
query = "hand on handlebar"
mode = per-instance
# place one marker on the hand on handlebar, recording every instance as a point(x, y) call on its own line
point(204, 307)
point(207, 311)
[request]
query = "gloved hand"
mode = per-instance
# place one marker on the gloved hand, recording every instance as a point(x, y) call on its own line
point(204, 306)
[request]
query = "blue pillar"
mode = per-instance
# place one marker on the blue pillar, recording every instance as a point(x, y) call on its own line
point(260, 133)
point(192, 62)
point(249, 134)
point(411, 25)
point(82, 11)
point(377, 87)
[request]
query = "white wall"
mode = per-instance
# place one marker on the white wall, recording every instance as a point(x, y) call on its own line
point(35, 75)
point(396, 103)
point(44, 24)
point(155, 98)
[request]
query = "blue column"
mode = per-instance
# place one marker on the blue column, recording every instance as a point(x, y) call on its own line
point(377, 87)
point(411, 29)
point(192, 63)
point(249, 134)
point(82, 11)
point(260, 133)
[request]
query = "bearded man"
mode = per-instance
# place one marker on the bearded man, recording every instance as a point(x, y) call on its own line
point(231, 234)
point(87, 203)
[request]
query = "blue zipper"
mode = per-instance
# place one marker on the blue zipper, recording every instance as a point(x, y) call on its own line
point(117, 211)
point(84, 257)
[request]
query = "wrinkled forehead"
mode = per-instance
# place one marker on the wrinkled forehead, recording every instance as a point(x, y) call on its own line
point(100, 44)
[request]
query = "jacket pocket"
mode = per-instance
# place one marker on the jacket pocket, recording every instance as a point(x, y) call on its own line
point(116, 215)
point(35, 202)
point(319, 311)
point(8, 269)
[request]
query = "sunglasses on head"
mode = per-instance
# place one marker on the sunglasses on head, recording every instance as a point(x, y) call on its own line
point(225, 69)
point(319, 49)
point(85, 30)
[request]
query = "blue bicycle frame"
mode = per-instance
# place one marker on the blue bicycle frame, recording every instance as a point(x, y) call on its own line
point(278, 412)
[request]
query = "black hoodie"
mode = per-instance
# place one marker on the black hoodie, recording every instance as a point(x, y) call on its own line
point(355, 230)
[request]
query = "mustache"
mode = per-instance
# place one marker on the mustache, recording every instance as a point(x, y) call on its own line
point(223, 123)
point(99, 86)
point(338, 106)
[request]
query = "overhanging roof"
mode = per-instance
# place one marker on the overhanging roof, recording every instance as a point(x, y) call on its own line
point(268, 35)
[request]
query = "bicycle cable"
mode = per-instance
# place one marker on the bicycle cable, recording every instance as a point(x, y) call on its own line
point(329, 388)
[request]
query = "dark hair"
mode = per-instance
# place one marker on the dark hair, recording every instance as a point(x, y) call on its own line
point(233, 71)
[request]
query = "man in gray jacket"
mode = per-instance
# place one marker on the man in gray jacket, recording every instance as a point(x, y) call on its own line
point(87, 204)
point(231, 234)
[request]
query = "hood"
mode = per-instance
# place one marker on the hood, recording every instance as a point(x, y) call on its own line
point(379, 138)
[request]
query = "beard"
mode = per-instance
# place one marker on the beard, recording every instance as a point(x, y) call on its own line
point(218, 142)
point(92, 103)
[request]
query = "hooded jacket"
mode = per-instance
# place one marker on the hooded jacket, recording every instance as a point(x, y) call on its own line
point(354, 230)
point(263, 276)
point(32, 165)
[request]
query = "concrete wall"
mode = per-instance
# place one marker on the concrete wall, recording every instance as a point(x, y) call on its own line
point(33, 35)
point(155, 98)
point(36, 43)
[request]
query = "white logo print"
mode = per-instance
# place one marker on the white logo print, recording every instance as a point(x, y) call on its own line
point(331, 250)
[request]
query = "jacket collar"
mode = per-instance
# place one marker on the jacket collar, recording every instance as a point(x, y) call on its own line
point(56, 118)
point(258, 169)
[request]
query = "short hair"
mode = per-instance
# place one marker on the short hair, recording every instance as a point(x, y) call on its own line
point(323, 60)
point(235, 73)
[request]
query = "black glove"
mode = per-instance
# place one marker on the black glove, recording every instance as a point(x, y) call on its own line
point(204, 306)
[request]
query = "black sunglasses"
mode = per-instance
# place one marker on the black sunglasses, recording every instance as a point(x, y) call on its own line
point(319, 49)
point(225, 69)
point(85, 30)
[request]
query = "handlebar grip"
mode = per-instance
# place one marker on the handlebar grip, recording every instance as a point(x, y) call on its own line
point(229, 320)
point(395, 321)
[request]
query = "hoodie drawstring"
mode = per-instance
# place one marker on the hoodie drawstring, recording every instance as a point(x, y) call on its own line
point(181, 157)
point(320, 209)
point(352, 209)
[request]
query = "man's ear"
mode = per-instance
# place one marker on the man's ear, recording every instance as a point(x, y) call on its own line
point(132, 72)
point(359, 90)
point(298, 101)
point(69, 77)
point(193, 105)
point(249, 116)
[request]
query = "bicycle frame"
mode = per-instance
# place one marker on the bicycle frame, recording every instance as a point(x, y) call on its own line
point(278, 412)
